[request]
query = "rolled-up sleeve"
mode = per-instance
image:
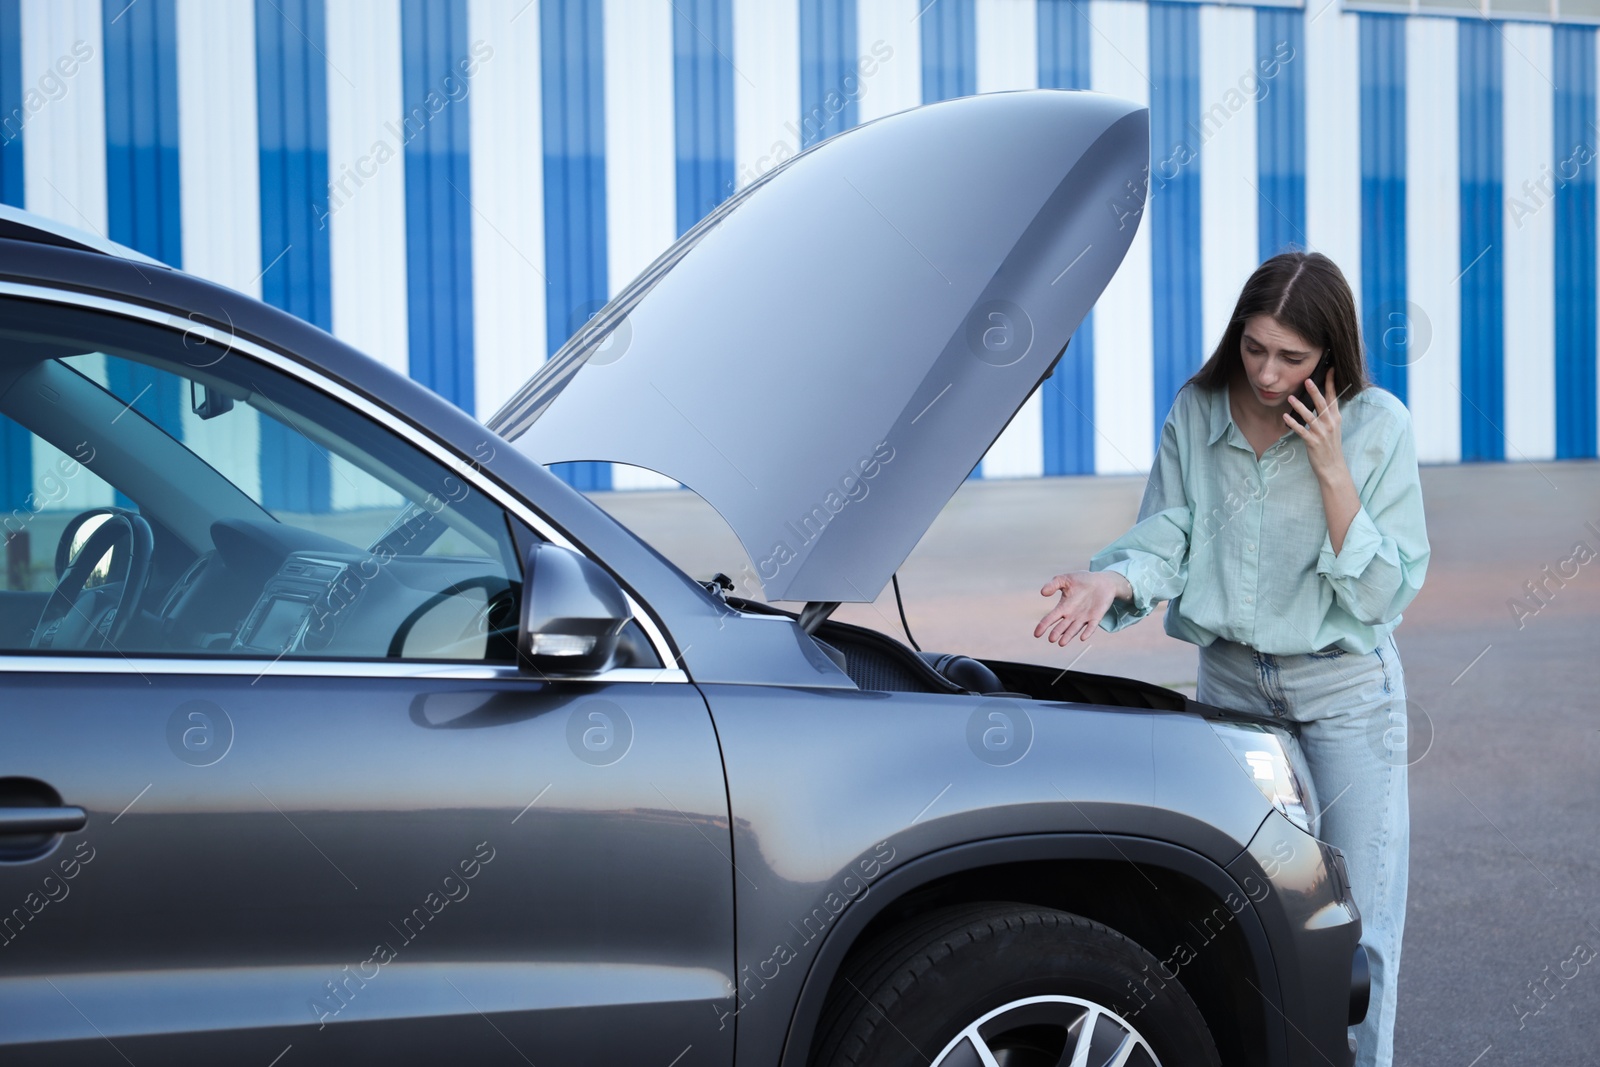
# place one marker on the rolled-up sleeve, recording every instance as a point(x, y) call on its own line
point(1154, 554)
point(1379, 568)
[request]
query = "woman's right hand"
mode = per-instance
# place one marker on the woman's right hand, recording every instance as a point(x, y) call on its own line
point(1085, 597)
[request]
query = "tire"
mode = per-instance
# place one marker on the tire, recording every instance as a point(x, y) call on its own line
point(1022, 981)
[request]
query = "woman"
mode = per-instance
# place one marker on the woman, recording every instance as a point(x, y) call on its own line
point(1286, 531)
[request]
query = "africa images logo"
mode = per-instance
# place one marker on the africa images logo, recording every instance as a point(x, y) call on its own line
point(452, 88)
point(806, 528)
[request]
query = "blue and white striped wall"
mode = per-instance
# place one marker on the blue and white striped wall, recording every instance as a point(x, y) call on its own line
point(454, 187)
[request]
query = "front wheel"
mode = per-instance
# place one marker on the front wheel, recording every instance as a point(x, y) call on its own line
point(1009, 985)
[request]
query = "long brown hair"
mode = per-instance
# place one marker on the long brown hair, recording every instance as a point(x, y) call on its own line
point(1306, 292)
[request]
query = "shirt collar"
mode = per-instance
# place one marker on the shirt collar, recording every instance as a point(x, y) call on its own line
point(1221, 414)
point(1222, 418)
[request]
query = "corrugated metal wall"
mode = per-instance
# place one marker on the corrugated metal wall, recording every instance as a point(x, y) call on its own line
point(455, 187)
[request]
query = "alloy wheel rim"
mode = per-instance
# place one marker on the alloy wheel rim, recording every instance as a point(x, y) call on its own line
point(1048, 1031)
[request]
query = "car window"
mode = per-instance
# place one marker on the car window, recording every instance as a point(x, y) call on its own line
point(43, 486)
point(282, 523)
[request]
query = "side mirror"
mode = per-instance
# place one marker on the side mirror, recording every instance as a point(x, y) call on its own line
point(572, 612)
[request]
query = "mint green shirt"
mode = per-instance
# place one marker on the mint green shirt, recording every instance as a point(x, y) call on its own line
point(1239, 547)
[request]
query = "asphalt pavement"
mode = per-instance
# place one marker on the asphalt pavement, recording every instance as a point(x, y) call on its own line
point(1501, 959)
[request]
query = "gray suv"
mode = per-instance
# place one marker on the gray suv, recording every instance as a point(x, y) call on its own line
point(335, 728)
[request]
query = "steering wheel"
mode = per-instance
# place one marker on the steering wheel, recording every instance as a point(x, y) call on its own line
point(96, 618)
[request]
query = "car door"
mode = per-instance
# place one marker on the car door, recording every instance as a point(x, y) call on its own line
point(303, 805)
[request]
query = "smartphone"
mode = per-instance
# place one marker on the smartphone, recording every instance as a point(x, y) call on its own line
point(1320, 377)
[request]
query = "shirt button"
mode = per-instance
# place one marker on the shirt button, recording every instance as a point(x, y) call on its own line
point(1252, 548)
point(1249, 600)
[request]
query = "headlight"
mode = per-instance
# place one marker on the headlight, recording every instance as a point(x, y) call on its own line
point(1273, 761)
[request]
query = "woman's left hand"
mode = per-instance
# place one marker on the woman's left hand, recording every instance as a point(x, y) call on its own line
point(1321, 430)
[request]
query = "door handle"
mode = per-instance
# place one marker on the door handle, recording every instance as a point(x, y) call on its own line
point(41, 820)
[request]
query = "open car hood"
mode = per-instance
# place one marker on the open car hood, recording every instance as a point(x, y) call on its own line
point(827, 355)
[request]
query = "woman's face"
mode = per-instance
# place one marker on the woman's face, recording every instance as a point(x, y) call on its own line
point(1277, 361)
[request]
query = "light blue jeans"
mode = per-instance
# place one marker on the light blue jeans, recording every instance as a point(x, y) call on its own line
point(1352, 715)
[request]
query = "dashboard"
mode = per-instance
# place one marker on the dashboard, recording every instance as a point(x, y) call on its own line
point(274, 590)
